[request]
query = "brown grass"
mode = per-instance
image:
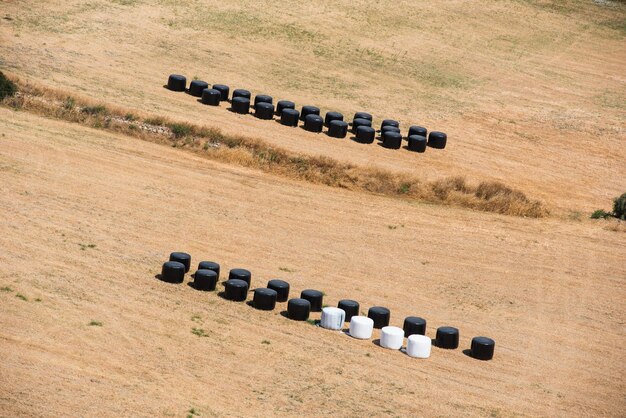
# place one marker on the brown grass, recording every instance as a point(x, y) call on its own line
point(245, 151)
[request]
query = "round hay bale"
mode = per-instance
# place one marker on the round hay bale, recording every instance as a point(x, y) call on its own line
point(389, 128)
point(418, 346)
point(392, 140)
point(223, 89)
point(298, 309)
point(236, 290)
point(361, 327)
point(282, 105)
point(240, 274)
point(391, 337)
point(281, 287)
point(389, 122)
point(315, 297)
point(176, 82)
point(338, 129)
point(417, 143)
point(289, 117)
point(414, 325)
point(331, 116)
point(205, 280)
point(173, 272)
point(447, 337)
point(362, 115)
point(313, 123)
point(196, 87)
point(264, 110)
point(242, 93)
point(360, 122)
point(350, 307)
point(209, 265)
point(437, 140)
point(332, 318)
point(211, 97)
point(264, 299)
point(482, 348)
point(365, 134)
point(379, 315)
point(240, 105)
point(183, 258)
point(417, 130)
point(262, 98)
point(309, 110)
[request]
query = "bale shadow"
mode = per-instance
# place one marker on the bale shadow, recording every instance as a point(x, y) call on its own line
point(382, 145)
point(222, 295)
point(376, 342)
point(467, 352)
point(284, 314)
point(330, 136)
point(160, 278)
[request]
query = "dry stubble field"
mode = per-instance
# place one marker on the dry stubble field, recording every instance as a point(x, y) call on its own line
point(531, 93)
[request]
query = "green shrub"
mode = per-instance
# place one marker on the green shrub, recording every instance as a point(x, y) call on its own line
point(7, 87)
point(600, 214)
point(180, 129)
point(619, 207)
point(94, 110)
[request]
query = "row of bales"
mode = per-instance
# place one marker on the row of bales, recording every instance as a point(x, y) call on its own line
point(390, 135)
point(236, 289)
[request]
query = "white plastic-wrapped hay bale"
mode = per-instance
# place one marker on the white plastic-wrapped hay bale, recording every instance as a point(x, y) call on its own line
point(391, 337)
point(361, 327)
point(418, 346)
point(332, 318)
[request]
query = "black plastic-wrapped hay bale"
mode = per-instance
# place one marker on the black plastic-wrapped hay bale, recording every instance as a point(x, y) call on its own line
point(362, 115)
point(173, 272)
point(223, 89)
point(264, 110)
point(264, 299)
point(350, 307)
point(236, 290)
point(211, 97)
point(482, 348)
point(196, 87)
point(284, 104)
point(365, 134)
point(417, 143)
point(331, 116)
point(360, 122)
point(447, 337)
point(315, 297)
point(313, 123)
point(298, 309)
point(389, 128)
point(414, 325)
point(417, 130)
point(176, 82)
point(437, 140)
point(262, 98)
point(309, 110)
point(389, 122)
point(281, 287)
point(392, 140)
point(205, 279)
point(289, 117)
point(242, 93)
point(379, 315)
point(240, 105)
point(240, 274)
point(183, 258)
point(210, 265)
point(338, 129)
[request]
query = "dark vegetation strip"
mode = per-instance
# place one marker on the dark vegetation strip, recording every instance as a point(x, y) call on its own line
point(488, 196)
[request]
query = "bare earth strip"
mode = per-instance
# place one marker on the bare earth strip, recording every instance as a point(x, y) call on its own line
point(88, 217)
